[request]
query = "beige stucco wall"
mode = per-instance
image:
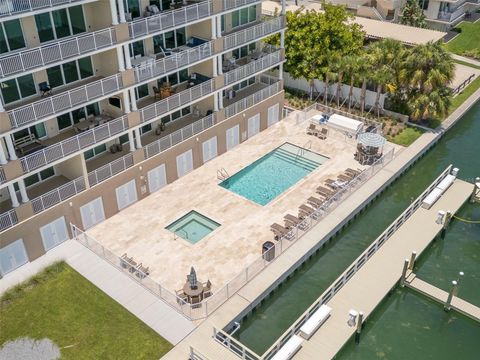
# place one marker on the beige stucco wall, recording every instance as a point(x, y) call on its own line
point(72, 168)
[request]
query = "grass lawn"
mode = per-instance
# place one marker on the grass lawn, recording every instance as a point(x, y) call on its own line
point(460, 98)
point(80, 319)
point(407, 136)
point(468, 39)
point(467, 64)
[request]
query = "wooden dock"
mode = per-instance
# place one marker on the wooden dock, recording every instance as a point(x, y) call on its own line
point(441, 296)
point(367, 287)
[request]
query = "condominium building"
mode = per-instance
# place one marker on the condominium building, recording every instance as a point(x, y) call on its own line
point(106, 101)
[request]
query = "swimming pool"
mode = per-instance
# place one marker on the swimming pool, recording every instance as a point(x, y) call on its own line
point(272, 174)
point(193, 226)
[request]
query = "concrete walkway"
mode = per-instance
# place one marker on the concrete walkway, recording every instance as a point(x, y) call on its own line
point(162, 318)
point(466, 59)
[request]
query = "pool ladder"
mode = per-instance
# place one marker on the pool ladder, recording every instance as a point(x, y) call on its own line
point(175, 235)
point(222, 174)
point(301, 151)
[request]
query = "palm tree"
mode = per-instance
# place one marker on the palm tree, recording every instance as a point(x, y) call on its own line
point(341, 67)
point(434, 104)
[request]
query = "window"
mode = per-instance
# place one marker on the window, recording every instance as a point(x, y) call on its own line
point(69, 72)
point(175, 78)
point(39, 177)
point(60, 23)
point(95, 151)
point(141, 91)
point(176, 115)
point(11, 36)
point(423, 4)
point(37, 130)
point(132, 7)
point(146, 128)
point(171, 39)
point(243, 51)
point(18, 88)
point(66, 120)
point(244, 16)
point(137, 48)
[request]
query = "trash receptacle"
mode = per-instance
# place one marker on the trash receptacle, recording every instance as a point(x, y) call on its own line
point(268, 254)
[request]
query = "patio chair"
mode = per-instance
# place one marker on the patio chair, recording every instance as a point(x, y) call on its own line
point(45, 88)
point(278, 230)
point(352, 172)
point(305, 210)
point(182, 298)
point(166, 51)
point(295, 221)
point(156, 91)
point(312, 130)
point(315, 202)
point(322, 134)
point(344, 178)
point(142, 271)
point(326, 193)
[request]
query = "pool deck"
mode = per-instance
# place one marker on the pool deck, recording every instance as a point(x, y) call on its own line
point(140, 229)
point(366, 289)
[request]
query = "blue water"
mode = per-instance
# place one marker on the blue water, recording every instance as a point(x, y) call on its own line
point(193, 227)
point(269, 176)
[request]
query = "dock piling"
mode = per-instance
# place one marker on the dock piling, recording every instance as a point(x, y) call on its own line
point(448, 217)
point(359, 327)
point(450, 296)
point(476, 191)
point(404, 273)
point(412, 260)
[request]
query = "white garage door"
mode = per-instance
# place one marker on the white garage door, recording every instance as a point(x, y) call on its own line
point(184, 163)
point(253, 125)
point(12, 256)
point(273, 114)
point(233, 137)
point(126, 194)
point(157, 178)
point(92, 213)
point(209, 149)
point(54, 233)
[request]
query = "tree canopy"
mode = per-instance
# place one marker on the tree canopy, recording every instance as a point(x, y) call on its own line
point(412, 14)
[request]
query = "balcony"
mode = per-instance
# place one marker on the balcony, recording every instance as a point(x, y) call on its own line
point(251, 95)
point(51, 53)
point(170, 19)
point(253, 32)
point(183, 94)
point(14, 7)
point(176, 132)
point(91, 132)
point(65, 100)
point(8, 219)
point(258, 61)
point(232, 4)
point(181, 57)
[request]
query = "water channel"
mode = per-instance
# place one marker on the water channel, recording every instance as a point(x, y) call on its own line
point(460, 250)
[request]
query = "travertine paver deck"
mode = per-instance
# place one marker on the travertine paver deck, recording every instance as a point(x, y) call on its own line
point(366, 289)
point(433, 292)
point(245, 226)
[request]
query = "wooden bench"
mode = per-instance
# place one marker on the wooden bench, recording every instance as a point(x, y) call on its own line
point(28, 144)
point(315, 321)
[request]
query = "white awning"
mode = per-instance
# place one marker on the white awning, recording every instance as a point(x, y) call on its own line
point(344, 123)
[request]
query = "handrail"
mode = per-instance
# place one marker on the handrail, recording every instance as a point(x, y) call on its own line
point(231, 4)
point(64, 102)
point(354, 267)
point(58, 195)
point(8, 219)
point(112, 168)
point(169, 19)
point(73, 144)
point(174, 62)
point(178, 136)
point(222, 174)
point(51, 53)
point(9, 7)
point(3, 177)
point(252, 33)
point(177, 100)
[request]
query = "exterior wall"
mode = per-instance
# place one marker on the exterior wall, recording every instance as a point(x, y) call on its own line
point(432, 11)
point(29, 230)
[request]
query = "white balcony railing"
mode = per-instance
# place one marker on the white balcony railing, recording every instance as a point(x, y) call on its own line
point(113, 168)
point(65, 101)
point(173, 62)
point(12, 7)
point(3, 177)
point(251, 100)
point(232, 4)
point(253, 33)
point(253, 67)
point(58, 195)
point(8, 219)
point(175, 101)
point(169, 19)
point(73, 144)
point(178, 136)
point(57, 51)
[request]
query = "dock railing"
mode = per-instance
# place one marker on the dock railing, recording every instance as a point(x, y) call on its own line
point(354, 267)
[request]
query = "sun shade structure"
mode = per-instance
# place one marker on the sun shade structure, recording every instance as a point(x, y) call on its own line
point(371, 140)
